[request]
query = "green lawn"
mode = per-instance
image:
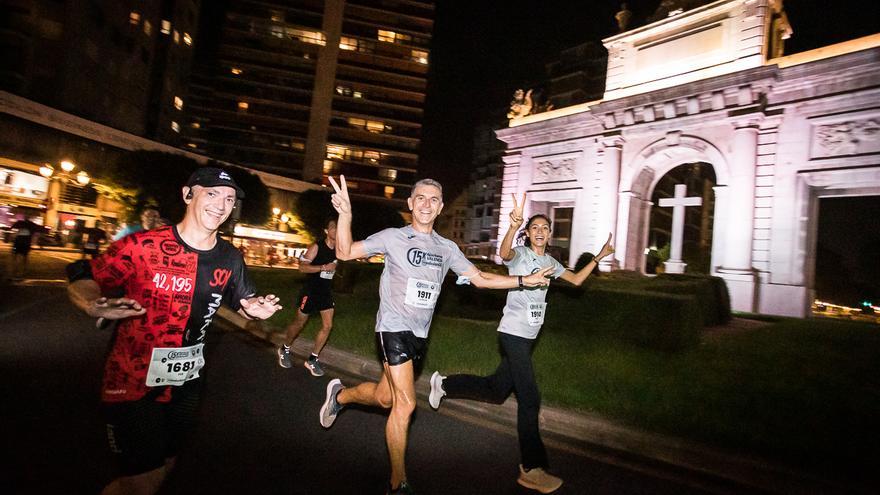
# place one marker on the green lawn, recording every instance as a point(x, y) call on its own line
point(805, 392)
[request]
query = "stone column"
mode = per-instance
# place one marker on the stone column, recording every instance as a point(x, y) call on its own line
point(737, 265)
point(611, 164)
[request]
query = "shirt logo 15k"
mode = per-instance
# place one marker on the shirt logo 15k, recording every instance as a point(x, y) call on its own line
point(417, 257)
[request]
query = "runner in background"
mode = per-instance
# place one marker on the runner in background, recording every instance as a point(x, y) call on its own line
point(319, 265)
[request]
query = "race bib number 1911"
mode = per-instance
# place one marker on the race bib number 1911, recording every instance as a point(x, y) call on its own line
point(175, 365)
point(421, 293)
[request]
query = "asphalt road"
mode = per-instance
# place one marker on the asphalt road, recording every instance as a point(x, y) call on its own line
point(258, 431)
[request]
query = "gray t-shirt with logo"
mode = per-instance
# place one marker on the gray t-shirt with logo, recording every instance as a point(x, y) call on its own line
point(525, 308)
point(415, 265)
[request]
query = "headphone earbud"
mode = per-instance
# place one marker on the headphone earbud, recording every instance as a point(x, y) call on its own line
point(189, 195)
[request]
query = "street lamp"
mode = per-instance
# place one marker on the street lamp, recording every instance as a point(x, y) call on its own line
point(82, 177)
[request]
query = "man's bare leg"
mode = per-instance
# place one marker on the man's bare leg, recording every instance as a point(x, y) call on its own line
point(324, 332)
point(296, 327)
point(397, 428)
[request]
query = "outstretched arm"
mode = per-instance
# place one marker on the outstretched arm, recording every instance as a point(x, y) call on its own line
point(488, 280)
point(577, 278)
point(85, 294)
point(516, 219)
point(346, 249)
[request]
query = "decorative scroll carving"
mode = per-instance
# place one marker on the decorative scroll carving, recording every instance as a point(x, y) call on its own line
point(845, 138)
point(555, 170)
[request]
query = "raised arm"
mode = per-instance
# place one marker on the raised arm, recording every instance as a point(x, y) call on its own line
point(516, 220)
point(346, 249)
point(577, 278)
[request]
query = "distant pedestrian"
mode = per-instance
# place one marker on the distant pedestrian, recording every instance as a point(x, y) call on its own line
point(523, 317)
point(25, 230)
point(149, 221)
point(93, 239)
point(319, 265)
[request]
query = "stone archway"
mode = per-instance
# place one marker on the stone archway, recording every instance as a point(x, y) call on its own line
point(640, 177)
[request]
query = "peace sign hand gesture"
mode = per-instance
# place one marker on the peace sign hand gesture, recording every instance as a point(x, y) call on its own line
point(340, 199)
point(516, 215)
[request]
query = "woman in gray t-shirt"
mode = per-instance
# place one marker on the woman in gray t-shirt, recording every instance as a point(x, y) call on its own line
point(519, 327)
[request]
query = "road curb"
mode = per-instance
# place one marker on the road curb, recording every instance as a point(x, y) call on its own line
point(705, 467)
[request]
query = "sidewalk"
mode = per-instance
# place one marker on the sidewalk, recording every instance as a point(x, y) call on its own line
point(702, 466)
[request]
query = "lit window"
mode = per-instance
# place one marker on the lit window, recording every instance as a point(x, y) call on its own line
point(166, 27)
point(336, 152)
point(357, 122)
point(276, 15)
point(388, 174)
point(176, 37)
point(392, 37)
point(330, 167)
point(175, 126)
point(178, 103)
point(243, 106)
point(387, 36)
point(235, 70)
point(357, 94)
point(343, 90)
point(346, 43)
point(134, 18)
point(196, 125)
point(375, 126)
point(352, 184)
point(148, 28)
point(187, 39)
point(192, 145)
point(372, 156)
point(314, 37)
point(420, 56)
point(389, 192)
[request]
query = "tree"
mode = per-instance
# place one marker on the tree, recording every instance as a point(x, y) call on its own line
point(139, 179)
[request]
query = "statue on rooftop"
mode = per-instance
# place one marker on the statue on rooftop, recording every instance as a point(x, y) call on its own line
point(521, 105)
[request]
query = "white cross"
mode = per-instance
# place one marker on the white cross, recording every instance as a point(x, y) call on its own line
point(678, 204)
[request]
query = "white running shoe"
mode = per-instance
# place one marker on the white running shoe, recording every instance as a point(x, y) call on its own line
point(437, 392)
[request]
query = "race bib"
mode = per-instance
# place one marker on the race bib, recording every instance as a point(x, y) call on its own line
point(175, 365)
point(328, 275)
point(421, 293)
point(536, 314)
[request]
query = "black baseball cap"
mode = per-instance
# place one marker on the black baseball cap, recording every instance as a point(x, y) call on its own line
point(212, 177)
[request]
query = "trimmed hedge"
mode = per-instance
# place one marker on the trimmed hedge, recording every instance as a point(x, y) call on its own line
point(710, 292)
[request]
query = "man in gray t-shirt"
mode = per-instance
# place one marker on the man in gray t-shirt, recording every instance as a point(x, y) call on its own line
point(417, 260)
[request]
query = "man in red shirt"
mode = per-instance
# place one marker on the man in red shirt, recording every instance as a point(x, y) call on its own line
point(173, 279)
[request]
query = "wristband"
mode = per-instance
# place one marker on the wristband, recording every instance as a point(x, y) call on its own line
point(519, 278)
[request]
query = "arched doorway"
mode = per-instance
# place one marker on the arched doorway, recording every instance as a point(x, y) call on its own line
point(698, 220)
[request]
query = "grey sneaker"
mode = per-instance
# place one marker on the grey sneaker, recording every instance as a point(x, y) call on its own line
point(284, 357)
point(437, 392)
point(313, 366)
point(403, 489)
point(538, 479)
point(331, 408)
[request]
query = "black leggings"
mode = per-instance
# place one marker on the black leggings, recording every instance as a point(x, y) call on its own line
point(514, 374)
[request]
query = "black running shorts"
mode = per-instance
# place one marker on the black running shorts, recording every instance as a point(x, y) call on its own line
point(400, 347)
point(315, 302)
point(142, 434)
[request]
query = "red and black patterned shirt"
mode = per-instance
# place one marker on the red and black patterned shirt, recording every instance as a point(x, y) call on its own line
point(181, 289)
